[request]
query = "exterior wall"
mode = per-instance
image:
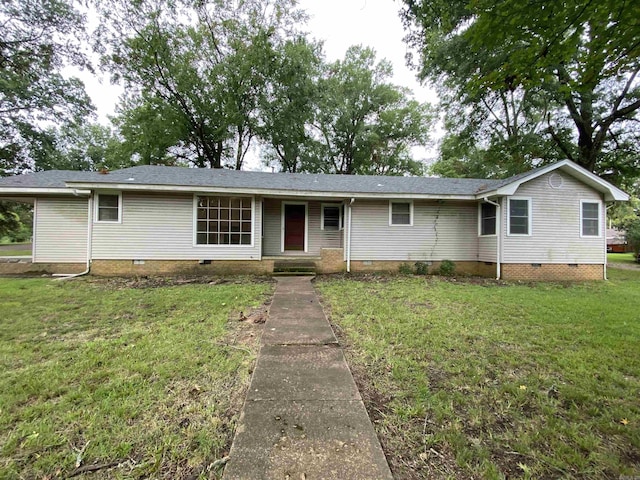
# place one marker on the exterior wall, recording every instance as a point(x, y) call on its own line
point(161, 227)
point(555, 225)
point(60, 230)
point(174, 267)
point(552, 271)
point(440, 231)
point(317, 238)
point(487, 248)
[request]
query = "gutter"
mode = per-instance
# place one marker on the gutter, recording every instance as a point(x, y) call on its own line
point(66, 276)
point(606, 209)
point(498, 235)
point(349, 235)
point(202, 189)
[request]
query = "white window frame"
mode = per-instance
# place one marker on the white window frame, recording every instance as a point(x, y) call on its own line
point(212, 245)
point(306, 225)
point(410, 224)
point(96, 209)
point(331, 205)
point(529, 213)
point(599, 203)
point(495, 234)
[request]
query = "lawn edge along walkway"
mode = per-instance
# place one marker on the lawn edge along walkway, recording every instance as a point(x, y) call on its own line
point(303, 416)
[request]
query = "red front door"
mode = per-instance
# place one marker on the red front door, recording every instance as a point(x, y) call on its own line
point(294, 222)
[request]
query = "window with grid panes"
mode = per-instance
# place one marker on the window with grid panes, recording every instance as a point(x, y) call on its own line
point(223, 221)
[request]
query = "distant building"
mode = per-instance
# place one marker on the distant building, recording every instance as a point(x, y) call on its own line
point(617, 241)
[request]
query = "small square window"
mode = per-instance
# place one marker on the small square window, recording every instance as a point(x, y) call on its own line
point(108, 209)
point(331, 217)
point(401, 213)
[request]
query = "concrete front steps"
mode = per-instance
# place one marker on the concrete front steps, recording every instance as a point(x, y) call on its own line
point(294, 267)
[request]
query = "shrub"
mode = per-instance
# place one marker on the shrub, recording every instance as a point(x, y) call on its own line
point(447, 268)
point(405, 269)
point(422, 268)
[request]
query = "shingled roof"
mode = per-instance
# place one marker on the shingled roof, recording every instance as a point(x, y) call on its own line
point(149, 175)
point(154, 177)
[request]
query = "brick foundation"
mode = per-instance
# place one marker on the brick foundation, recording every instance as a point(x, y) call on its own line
point(332, 261)
point(551, 272)
point(393, 266)
point(126, 268)
point(28, 268)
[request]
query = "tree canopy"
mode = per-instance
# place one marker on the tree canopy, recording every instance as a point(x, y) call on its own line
point(37, 40)
point(193, 72)
point(537, 81)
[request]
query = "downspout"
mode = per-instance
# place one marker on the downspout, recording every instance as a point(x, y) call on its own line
point(65, 276)
point(606, 209)
point(349, 235)
point(498, 235)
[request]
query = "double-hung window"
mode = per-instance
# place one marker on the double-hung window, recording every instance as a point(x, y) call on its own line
point(400, 213)
point(223, 220)
point(487, 219)
point(589, 219)
point(331, 217)
point(108, 207)
point(519, 216)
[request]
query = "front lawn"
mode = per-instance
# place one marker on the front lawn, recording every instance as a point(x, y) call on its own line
point(482, 379)
point(136, 380)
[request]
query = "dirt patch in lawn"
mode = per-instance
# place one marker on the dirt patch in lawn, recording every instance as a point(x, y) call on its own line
point(119, 283)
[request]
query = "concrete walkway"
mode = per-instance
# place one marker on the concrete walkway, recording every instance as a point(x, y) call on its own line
point(303, 417)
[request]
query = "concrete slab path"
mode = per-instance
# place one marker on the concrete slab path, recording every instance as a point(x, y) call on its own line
point(303, 417)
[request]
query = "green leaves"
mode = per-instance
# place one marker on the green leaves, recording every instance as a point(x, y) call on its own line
point(38, 39)
point(199, 67)
point(366, 125)
point(578, 60)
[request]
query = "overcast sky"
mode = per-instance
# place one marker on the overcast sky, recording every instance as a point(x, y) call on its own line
point(340, 24)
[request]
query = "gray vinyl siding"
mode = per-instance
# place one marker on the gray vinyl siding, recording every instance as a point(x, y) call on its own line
point(160, 227)
point(440, 231)
point(555, 225)
point(60, 234)
point(318, 238)
point(487, 248)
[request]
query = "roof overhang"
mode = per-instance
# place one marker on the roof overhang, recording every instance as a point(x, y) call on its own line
point(33, 191)
point(611, 192)
point(262, 191)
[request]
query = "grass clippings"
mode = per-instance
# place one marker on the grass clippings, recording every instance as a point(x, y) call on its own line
point(483, 379)
point(108, 379)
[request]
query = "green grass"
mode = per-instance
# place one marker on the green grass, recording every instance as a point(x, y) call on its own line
point(469, 379)
point(151, 377)
point(621, 258)
point(14, 253)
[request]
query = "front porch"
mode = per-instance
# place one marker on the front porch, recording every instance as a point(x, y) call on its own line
point(294, 227)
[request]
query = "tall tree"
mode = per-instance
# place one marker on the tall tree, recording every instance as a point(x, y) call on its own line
point(38, 39)
point(197, 65)
point(581, 57)
point(364, 124)
point(289, 103)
